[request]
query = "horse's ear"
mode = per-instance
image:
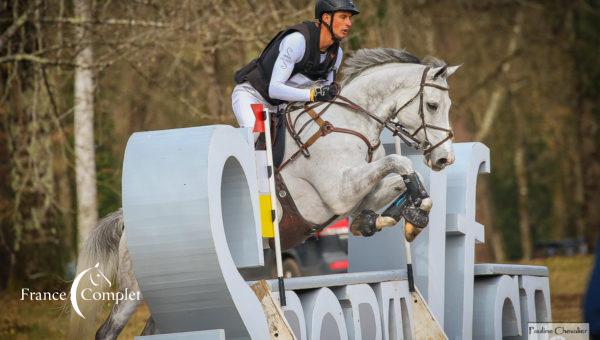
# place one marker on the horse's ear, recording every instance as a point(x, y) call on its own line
point(451, 69)
point(439, 71)
point(444, 71)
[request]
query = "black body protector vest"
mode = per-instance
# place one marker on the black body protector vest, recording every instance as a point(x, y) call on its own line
point(258, 72)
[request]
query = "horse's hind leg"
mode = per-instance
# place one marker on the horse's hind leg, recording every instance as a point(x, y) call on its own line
point(150, 327)
point(119, 315)
point(128, 285)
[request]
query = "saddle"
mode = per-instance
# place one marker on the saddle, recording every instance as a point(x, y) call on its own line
point(277, 123)
point(293, 228)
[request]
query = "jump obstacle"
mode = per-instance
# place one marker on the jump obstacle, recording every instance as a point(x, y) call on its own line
point(191, 207)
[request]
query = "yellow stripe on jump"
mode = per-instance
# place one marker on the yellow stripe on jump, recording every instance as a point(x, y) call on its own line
point(266, 220)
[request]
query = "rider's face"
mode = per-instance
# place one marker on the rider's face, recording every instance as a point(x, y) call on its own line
point(342, 22)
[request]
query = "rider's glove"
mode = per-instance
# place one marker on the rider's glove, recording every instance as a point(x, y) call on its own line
point(324, 93)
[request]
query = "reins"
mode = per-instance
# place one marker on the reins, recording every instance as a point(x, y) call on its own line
point(397, 129)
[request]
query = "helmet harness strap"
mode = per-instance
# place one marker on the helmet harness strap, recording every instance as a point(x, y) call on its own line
point(330, 27)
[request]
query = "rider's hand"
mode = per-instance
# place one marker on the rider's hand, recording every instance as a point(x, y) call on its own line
point(324, 93)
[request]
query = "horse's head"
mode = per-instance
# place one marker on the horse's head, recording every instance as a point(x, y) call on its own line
point(425, 115)
point(409, 95)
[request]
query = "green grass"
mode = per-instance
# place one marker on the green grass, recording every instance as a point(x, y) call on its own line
point(47, 320)
point(568, 281)
point(25, 320)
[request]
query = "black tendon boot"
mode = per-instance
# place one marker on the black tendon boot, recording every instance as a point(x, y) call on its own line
point(364, 223)
point(408, 205)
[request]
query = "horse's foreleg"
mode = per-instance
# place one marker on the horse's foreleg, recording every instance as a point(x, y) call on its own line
point(357, 182)
point(383, 193)
point(365, 221)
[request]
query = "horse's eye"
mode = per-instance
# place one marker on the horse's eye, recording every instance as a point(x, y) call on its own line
point(432, 106)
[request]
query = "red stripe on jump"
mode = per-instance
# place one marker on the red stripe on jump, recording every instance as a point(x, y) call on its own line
point(259, 122)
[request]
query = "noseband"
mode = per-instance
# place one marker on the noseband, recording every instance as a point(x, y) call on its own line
point(396, 128)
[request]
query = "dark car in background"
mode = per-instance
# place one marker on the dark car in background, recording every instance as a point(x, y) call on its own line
point(324, 253)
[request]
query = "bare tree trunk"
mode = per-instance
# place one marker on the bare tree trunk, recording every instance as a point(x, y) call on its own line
point(523, 197)
point(586, 166)
point(429, 34)
point(559, 214)
point(485, 209)
point(587, 172)
point(85, 163)
point(497, 98)
point(522, 184)
point(499, 93)
point(214, 90)
point(579, 189)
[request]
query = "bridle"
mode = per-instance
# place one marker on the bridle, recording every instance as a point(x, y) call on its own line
point(399, 130)
point(396, 128)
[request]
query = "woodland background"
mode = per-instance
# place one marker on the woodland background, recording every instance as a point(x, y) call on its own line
point(78, 77)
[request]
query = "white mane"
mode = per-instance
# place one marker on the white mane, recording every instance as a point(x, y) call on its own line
point(367, 58)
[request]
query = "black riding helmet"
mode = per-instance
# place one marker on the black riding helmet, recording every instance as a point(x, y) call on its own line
point(330, 6)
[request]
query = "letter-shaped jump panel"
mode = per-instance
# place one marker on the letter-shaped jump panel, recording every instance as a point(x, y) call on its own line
point(323, 315)
point(361, 311)
point(395, 308)
point(497, 309)
point(190, 212)
point(293, 312)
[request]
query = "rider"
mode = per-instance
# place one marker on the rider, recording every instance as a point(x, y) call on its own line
point(299, 64)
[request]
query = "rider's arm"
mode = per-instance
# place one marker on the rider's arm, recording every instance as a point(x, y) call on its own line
point(338, 62)
point(291, 51)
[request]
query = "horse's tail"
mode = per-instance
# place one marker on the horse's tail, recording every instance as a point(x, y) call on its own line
point(101, 247)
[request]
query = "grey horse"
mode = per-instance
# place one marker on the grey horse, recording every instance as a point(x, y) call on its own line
point(345, 174)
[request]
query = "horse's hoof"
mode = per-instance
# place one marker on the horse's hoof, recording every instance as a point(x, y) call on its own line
point(385, 221)
point(411, 231)
point(426, 204)
point(364, 224)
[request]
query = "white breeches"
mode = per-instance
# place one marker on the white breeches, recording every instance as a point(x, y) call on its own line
point(243, 95)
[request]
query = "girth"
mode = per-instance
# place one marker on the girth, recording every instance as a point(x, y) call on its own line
point(293, 228)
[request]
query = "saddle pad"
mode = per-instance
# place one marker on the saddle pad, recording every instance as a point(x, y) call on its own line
point(278, 130)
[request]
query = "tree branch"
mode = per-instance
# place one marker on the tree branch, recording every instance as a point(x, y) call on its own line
point(12, 29)
point(112, 21)
point(45, 61)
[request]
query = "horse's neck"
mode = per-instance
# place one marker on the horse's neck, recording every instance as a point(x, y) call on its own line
point(376, 93)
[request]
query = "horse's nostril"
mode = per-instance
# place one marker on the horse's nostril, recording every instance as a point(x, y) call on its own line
point(442, 162)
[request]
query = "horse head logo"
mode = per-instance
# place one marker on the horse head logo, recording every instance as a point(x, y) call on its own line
point(95, 276)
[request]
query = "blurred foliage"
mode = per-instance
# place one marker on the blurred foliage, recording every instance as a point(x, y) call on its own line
point(166, 65)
